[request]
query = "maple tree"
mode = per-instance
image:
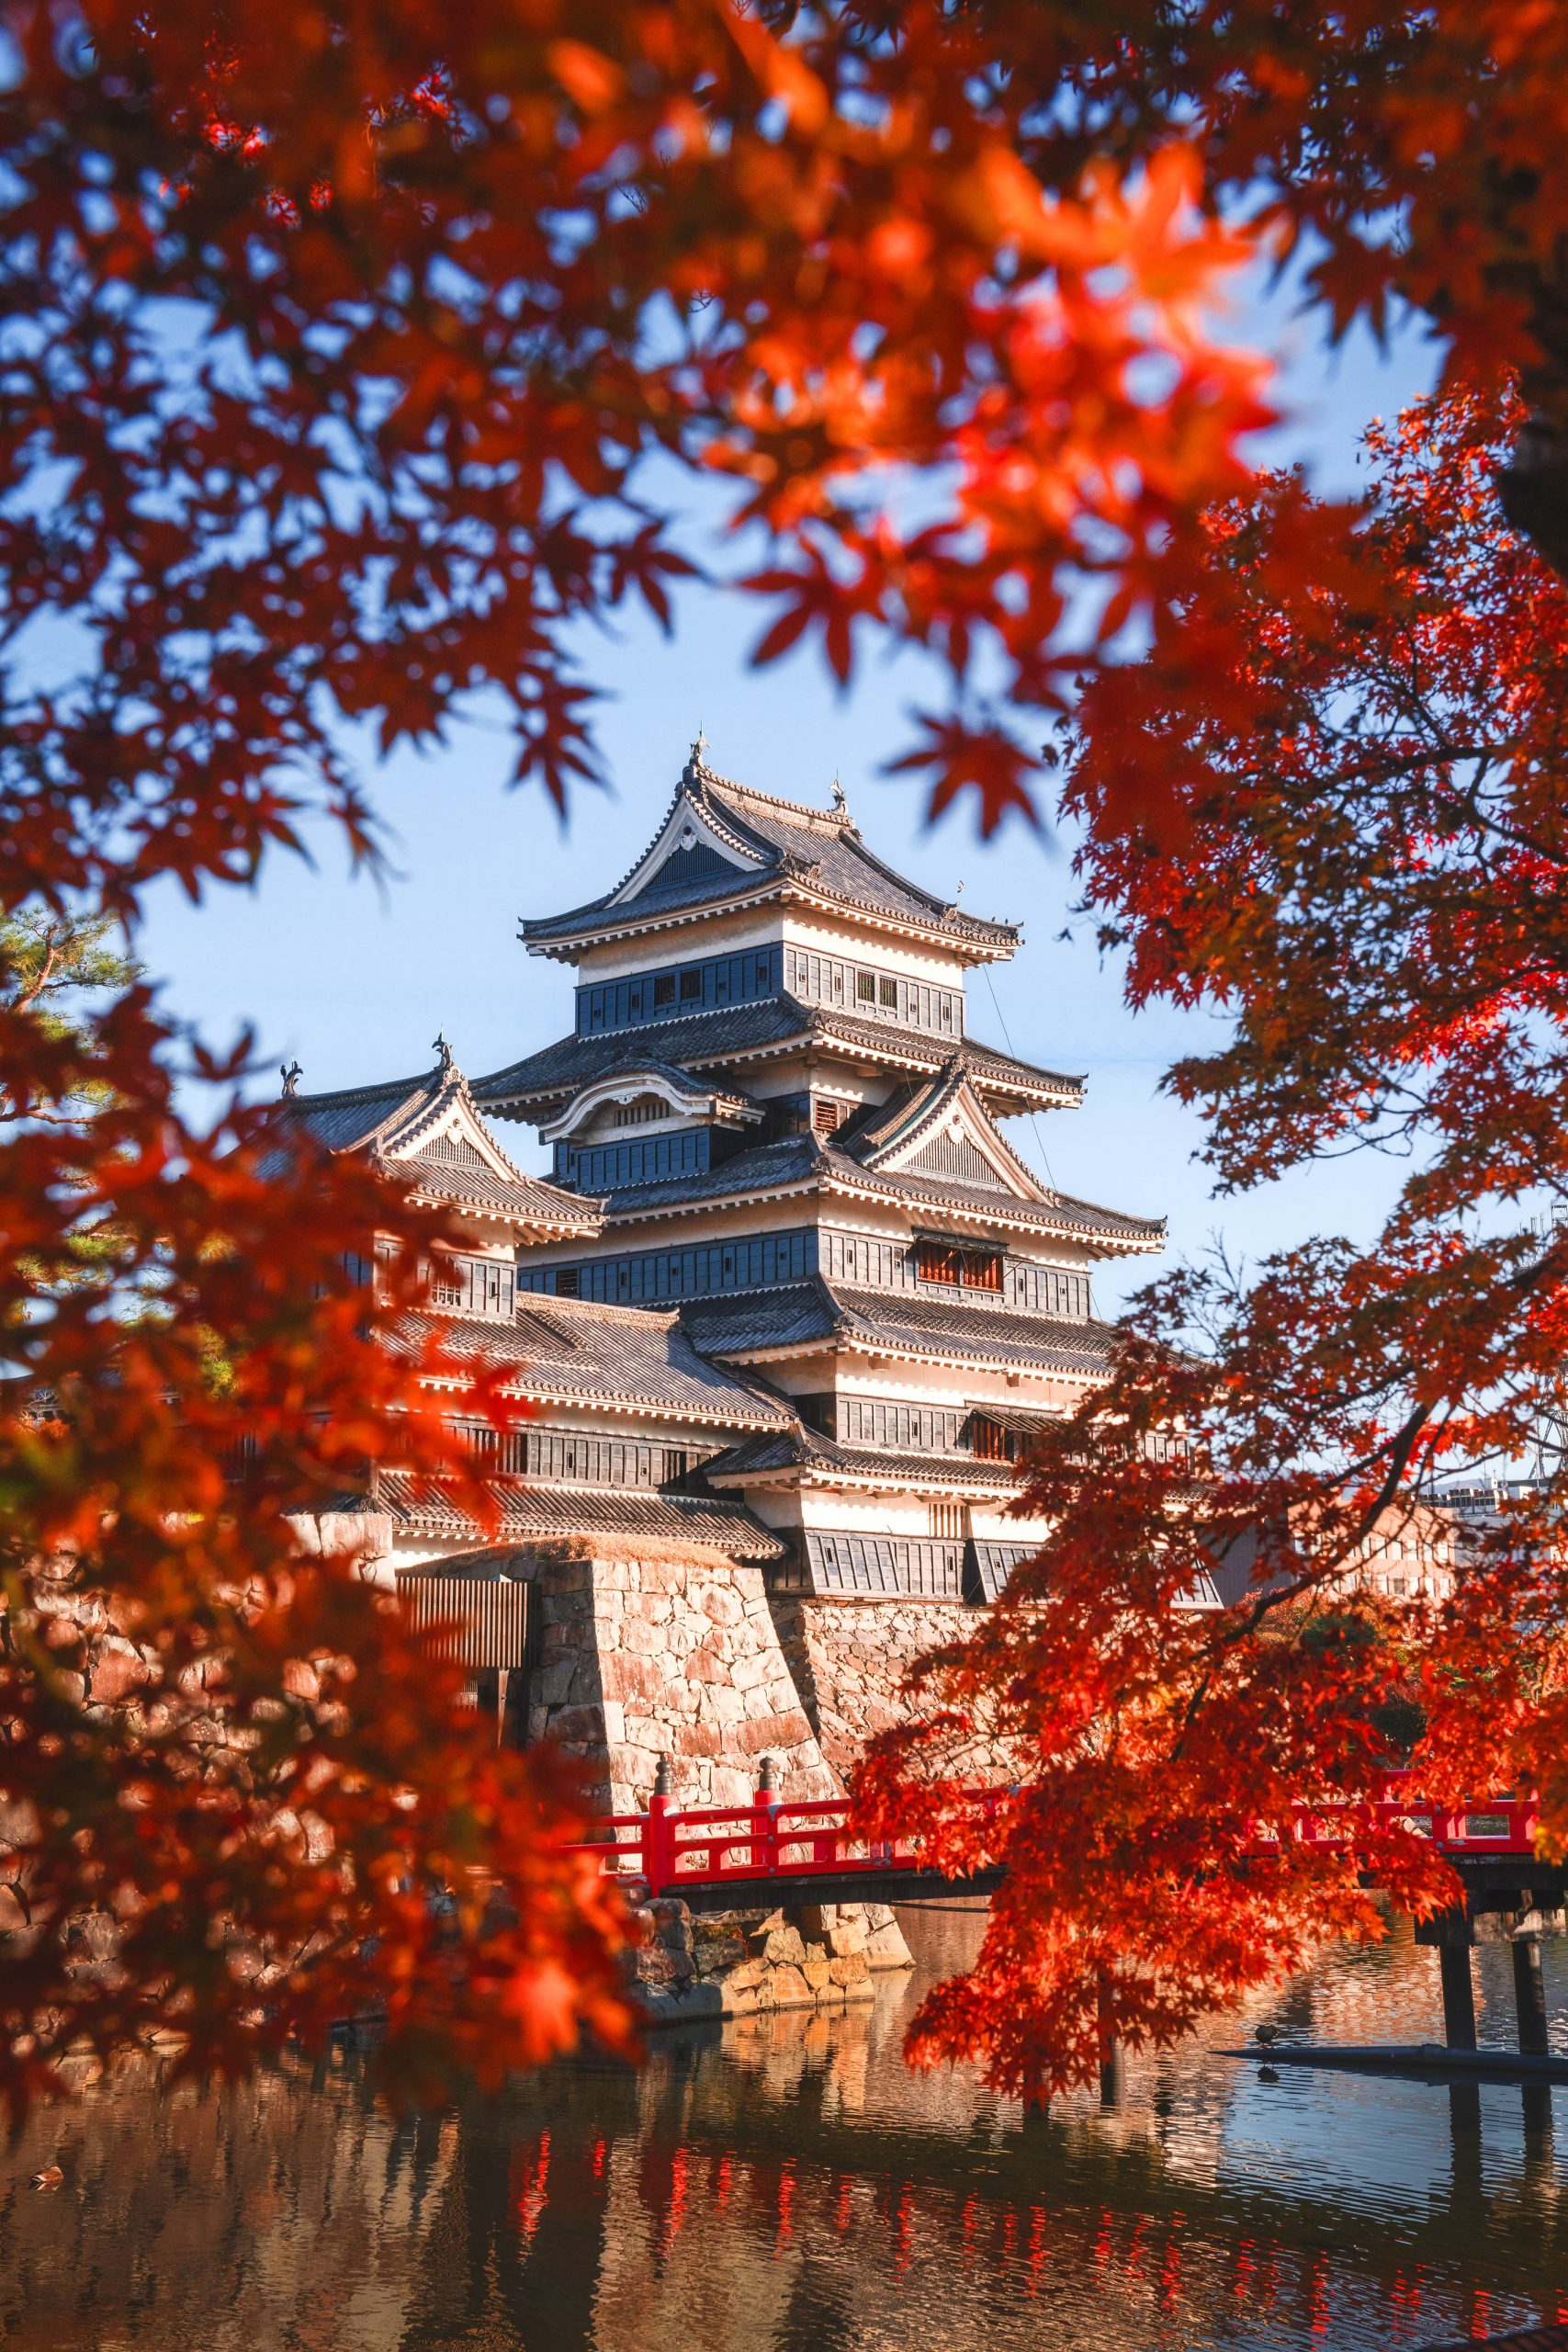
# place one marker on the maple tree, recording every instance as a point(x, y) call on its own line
point(348, 357)
point(1362, 864)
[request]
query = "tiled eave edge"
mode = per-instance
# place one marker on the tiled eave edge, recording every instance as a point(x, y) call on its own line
point(436, 1519)
point(538, 1232)
point(841, 1343)
point(941, 1480)
point(566, 946)
point(1066, 1096)
point(903, 1050)
point(605, 1401)
point(1021, 1216)
point(918, 1211)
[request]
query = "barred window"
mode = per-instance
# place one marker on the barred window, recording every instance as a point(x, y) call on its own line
point(943, 1262)
point(936, 1261)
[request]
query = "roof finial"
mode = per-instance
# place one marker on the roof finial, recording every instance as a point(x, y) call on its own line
point(290, 1073)
point(696, 763)
point(840, 805)
point(444, 1050)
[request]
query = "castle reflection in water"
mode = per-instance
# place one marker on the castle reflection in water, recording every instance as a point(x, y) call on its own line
point(788, 2186)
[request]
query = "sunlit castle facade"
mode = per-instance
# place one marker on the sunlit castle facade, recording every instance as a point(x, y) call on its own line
point(781, 1132)
point(781, 1317)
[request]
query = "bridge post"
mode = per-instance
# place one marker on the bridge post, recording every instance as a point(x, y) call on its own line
point(764, 1825)
point(1530, 1990)
point(1112, 2070)
point(1453, 1932)
point(658, 1840)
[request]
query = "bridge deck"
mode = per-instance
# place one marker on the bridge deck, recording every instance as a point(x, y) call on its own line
point(719, 1858)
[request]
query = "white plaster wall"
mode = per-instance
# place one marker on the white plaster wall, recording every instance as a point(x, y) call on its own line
point(859, 1514)
point(681, 938)
point(824, 935)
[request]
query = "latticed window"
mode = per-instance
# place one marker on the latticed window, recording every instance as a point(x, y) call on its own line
point(826, 1115)
point(456, 1148)
point(502, 1452)
point(938, 1261)
point(944, 1261)
point(989, 1439)
point(473, 1285)
point(947, 1521)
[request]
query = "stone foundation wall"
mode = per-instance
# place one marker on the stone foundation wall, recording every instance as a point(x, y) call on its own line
point(849, 1657)
point(669, 1655)
point(808, 1956)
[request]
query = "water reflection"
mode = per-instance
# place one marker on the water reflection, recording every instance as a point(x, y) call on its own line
point(786, 2186)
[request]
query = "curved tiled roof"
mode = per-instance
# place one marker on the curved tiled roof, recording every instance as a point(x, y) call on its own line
point(422, 1507)
point(529, 1198)
point(799, 1315)
point(784, 844)
point(396, 1125)
point(805, 1449)
point(799, 1163)
point(354, 1117)
point(573, 1350)
point(761, 1168)
point(1083, 1220)
point(736, 1034)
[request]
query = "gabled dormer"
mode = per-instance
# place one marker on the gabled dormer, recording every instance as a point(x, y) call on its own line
point(426, 1132)
point(944, 1132)
point(647, 1122)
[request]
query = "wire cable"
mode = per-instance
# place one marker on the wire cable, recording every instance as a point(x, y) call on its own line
point(1034, 1115)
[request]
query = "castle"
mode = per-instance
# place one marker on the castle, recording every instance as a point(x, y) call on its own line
point(786, 1316)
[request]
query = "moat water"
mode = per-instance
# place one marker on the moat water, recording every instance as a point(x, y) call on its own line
point(788, 2186)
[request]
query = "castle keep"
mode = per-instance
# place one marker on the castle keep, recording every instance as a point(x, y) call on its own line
point(787, 1312)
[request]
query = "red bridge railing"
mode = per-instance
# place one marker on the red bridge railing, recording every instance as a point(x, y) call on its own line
point(673, 1847)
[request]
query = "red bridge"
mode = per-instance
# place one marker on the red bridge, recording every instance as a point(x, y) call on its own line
point(715, 1856)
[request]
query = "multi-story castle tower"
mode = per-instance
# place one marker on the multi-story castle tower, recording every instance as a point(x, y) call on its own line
point(772, 1090)
point(784, 1320)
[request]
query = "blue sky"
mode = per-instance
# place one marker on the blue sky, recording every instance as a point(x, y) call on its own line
point(355, 980)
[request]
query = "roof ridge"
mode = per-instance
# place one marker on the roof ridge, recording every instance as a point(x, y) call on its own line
point(605, 897)
point(831, 820)
point(530, 1302)
point(401, 1087)
point(941, 917)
